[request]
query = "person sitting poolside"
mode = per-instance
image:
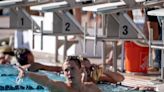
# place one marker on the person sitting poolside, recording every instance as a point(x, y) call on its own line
point(96, 73)
point(72, 72)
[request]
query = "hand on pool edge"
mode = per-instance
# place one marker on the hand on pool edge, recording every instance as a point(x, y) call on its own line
point(21, 73)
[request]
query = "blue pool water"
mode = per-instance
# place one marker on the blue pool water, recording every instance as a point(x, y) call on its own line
point(8, 83)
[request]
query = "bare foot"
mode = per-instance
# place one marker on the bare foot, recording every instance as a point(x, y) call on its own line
point(153, 69)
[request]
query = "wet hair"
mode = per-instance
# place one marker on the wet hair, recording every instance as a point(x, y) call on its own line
point(75, 59)
point(21, 55)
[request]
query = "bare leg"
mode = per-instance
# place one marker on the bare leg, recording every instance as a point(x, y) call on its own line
point(110, 59)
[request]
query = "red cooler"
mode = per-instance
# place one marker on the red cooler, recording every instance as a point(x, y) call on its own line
point(136, 58)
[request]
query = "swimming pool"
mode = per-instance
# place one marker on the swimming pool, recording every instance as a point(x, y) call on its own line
point(8, 83)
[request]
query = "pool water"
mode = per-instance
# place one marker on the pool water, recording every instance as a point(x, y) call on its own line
point(8, 83)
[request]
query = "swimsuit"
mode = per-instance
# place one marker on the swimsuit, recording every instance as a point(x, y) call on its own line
point(96, 73)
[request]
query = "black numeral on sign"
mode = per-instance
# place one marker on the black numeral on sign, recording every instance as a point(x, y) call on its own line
point(67, 26)
point(125, 30)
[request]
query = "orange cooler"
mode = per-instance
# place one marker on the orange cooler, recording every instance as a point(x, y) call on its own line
point(136, 58)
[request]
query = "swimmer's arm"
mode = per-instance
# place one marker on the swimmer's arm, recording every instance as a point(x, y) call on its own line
point(116, 77)
point(52, 68)
point(38, 66)
point(45, 81)
point(40, 79)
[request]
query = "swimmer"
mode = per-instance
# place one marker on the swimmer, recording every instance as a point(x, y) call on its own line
point(72, 72)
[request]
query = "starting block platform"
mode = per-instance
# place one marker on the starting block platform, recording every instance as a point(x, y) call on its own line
point(62, 5)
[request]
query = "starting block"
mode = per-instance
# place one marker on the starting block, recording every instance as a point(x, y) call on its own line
point(63, 22)
point(6, 3)
point(117, 25)
point(62, 5)
point(20, 19)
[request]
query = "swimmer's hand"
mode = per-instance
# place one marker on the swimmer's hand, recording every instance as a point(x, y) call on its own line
point(21, 73)
point(26, 67)
point(84, 75)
